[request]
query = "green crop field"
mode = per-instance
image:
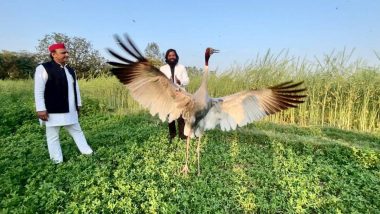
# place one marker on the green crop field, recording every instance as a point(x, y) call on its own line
point(321, 158)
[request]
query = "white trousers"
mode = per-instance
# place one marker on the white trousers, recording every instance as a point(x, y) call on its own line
point(54, 146)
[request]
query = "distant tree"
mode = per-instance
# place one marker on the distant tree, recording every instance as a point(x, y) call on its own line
point(83, 58)
point(17, 65)
point(152, 52)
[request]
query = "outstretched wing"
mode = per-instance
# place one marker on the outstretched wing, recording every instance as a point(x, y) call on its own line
point(148, 85)
point(244, 107)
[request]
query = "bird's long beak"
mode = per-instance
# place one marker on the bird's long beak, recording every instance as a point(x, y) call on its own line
point(214, 51)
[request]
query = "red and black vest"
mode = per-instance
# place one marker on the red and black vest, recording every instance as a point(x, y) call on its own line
point(56, 88)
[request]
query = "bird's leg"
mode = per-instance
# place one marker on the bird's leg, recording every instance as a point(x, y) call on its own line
point(198, 154)
point(185, 169)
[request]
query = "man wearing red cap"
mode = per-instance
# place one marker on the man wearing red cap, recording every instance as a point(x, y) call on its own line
point(58, 101)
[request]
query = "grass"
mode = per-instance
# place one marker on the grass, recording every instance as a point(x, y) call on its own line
point(341, 93)
point(264, 167)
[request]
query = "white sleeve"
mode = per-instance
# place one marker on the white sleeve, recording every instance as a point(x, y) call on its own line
point(184, 78)
point(78, 93)
point(165, 69)
point(40, 78)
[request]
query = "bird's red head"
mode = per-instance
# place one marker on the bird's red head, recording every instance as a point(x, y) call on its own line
point(209, 52)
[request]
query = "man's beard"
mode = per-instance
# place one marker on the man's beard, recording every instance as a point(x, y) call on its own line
point(172, 62)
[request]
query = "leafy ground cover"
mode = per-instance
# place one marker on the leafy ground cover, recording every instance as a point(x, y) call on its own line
point(264, 167)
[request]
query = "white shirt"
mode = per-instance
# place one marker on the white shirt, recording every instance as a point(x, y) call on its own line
point(179, 72)
point(55, 119)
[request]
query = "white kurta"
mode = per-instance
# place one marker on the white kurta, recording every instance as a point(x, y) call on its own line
point(55, 119)
point(179, 72)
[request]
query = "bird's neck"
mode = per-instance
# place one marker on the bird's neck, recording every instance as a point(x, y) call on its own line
point(204, 78)
point(201, 94)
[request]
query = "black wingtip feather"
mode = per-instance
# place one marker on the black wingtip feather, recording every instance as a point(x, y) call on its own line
point(132, 45)
point(288, 95)
point(119, 57)
point(130, 48)
point(137, 55)
point(116, 64)
point(287, 85)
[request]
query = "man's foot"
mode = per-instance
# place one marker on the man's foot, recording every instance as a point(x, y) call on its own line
point(171, 138)
point(57, 161)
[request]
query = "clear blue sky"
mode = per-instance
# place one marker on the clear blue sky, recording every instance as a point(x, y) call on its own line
point(240, 29)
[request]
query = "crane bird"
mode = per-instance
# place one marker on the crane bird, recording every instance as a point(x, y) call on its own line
point(154, 91)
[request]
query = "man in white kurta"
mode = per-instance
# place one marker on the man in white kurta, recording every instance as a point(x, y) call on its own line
point(178, 75)
point(68, 119)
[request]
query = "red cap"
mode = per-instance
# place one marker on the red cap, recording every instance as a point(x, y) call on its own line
point(53, 47)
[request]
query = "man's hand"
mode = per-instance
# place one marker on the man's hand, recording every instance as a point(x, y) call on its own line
point(177, 80)
point(43, 115)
